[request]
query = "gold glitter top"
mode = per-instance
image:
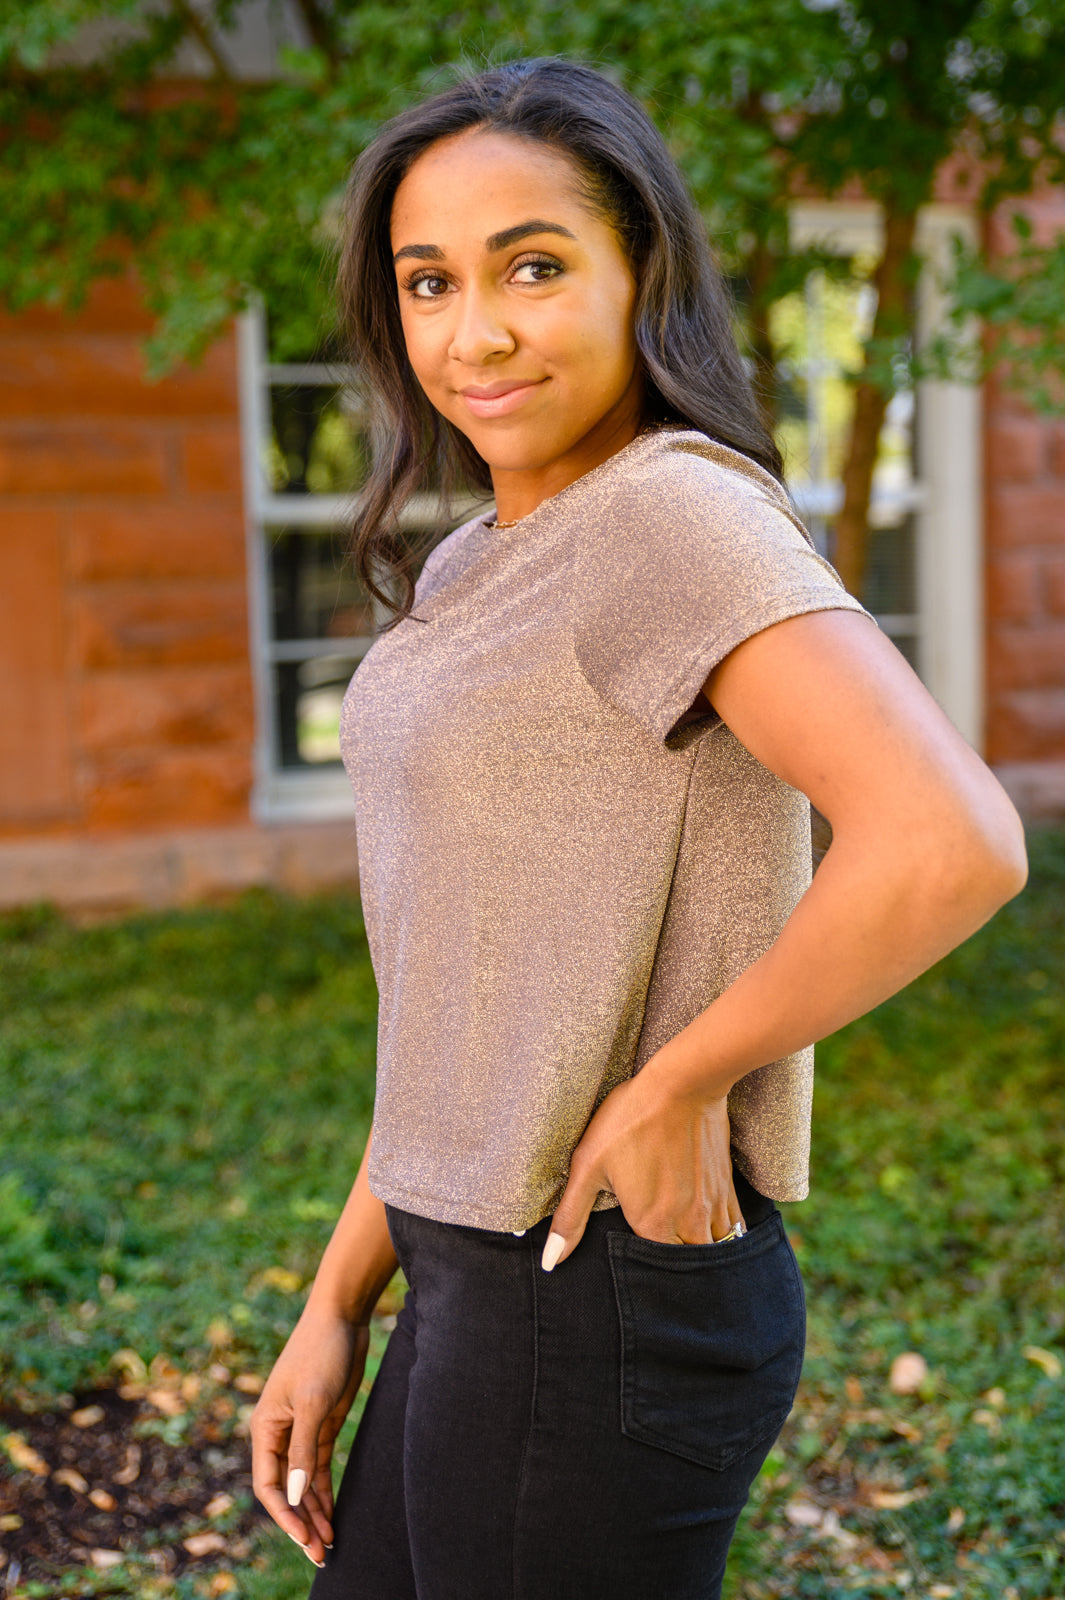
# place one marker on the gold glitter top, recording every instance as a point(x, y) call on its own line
point(559, 868)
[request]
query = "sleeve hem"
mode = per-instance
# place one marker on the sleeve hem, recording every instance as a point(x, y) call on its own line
point(702, 662)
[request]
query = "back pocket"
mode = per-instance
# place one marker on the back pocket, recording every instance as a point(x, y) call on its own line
point(712, 1339)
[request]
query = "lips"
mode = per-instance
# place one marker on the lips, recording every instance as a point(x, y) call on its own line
point(500, 398)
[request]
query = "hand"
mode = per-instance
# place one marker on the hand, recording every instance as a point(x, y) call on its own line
point(295, 1423)
point(667, 1160)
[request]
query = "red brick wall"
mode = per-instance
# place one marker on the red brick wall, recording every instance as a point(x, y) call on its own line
point(125, 684)
point(1024, 463)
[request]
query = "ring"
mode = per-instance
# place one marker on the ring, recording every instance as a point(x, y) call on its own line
point(737, 1231)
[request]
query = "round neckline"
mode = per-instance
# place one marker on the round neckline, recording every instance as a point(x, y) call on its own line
point(640, 438)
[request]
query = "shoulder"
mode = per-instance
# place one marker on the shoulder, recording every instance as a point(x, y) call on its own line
point(683, 488)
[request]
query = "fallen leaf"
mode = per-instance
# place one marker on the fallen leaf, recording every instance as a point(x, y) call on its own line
point(102, 1500)
point(10, 1521)
point(72, 1478)
point(908, 1373)
point(23, 1456)
point(282, 1278)
point(131, 1471)
point(853, 1390)
point(129, 1362)
point(217, 1372)
point(996, 1398)
point(956, 1519)
point(895, 1499)
point(248, 1383)
point(222, 1583)
point(942, 1591)
point(133, 1390)
point(801, 1514)
point(1050, 1363)
point(163, 1370)
point(987, 1419)
point(906, 1430)
point(168, 1401)
point(203, 1544)
point(832, 1528)
point(103, 1559)
point(190, 1386)
point(88, 1416)
point(218, 1332)
point(218, 1506)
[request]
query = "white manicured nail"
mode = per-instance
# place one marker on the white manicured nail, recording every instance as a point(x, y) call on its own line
point(552, 1250)
point(297, 1482)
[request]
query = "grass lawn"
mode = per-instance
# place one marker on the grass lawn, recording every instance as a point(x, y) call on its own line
point(186, 1100)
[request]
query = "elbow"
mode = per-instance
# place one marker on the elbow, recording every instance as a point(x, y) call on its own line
point(992, 858)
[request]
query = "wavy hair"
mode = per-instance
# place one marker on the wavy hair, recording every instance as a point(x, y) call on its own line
point(694, 373)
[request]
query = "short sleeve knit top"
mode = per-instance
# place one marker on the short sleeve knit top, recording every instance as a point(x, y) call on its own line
point(560, 863)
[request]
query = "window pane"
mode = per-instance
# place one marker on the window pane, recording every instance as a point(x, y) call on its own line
point(314, 592)
point(307, 702)
point(318, 443)
point(819, 331)
point(891, 576)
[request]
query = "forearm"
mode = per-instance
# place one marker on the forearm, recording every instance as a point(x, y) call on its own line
point(866, 927)
point(359, 1259)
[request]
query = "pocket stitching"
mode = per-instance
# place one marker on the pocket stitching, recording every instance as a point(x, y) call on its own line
point(620, 1248)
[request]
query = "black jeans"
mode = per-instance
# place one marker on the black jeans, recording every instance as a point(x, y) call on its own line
point(586, 1434)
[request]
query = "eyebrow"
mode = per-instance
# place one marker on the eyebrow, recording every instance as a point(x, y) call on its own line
point(494, 242)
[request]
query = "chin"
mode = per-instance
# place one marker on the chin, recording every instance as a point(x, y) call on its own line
point(517, 454)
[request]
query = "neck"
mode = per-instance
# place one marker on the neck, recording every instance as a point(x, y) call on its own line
point(519, 492)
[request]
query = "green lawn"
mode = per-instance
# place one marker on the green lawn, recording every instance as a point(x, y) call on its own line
point(186, 1100)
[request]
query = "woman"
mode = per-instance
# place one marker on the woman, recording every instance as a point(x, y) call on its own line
point(581, 755)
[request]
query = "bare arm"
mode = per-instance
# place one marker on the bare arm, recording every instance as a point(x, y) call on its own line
point(359, 1260)
point(926, 847)
point(317, 1375)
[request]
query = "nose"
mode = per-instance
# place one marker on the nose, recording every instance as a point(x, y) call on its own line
point(480, 330)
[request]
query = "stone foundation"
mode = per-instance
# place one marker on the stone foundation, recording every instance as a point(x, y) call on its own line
point(108, 875)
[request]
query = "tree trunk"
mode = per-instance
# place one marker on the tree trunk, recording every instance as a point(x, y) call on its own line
point(892, 283)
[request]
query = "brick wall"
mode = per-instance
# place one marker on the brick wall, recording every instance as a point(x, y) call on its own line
point(1024, 461)
point(125, 684)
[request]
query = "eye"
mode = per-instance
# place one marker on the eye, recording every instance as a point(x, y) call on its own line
point(430, 286)
point(536, 269)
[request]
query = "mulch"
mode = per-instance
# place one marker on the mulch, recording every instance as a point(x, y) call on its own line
point(105, 1474)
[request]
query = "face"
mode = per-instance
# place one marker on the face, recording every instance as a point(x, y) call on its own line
point(517, 304)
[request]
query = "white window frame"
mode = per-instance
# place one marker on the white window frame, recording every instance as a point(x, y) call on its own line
point(280, 795)
point(948, 498)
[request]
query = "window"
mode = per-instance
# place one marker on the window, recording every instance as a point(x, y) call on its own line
point(925, 570)
point(819, 330)
point(305, 451)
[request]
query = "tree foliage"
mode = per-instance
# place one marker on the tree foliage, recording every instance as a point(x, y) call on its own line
point(215, 187)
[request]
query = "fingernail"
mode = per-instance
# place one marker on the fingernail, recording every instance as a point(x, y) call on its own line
point(329, 1547)
point(297, 1482)
point(552, 1250)
point(311, 1559)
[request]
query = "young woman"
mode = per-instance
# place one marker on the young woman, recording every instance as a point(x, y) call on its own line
point(581, 757)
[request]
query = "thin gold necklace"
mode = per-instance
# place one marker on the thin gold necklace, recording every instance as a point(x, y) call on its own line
point(648, 427)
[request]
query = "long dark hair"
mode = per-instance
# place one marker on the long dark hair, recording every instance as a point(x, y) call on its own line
point(693, 370)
